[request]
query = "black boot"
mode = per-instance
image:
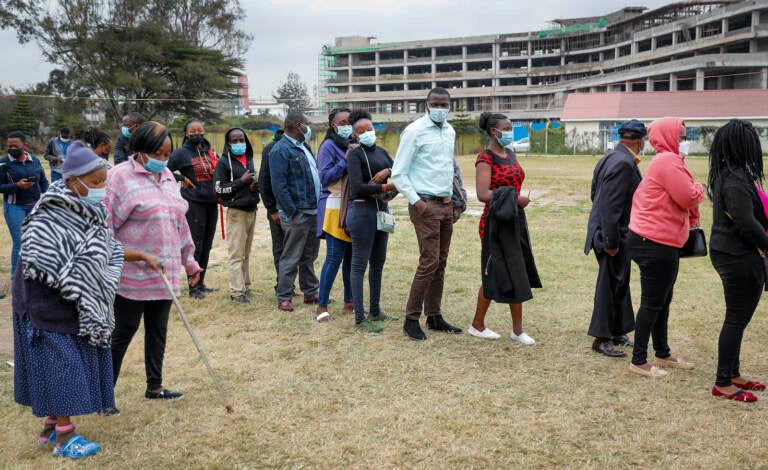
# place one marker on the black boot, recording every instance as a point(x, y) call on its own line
point(196, 293)
point(436, 323)
point(412, 330)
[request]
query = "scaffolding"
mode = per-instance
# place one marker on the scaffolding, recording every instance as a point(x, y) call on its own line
point(324, 75)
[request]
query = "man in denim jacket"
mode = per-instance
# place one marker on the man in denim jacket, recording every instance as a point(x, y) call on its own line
point(296, 185)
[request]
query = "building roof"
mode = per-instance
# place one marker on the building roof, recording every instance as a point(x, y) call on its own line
point(692, 105)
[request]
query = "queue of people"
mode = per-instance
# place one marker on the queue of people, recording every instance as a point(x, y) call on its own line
point(119, 227)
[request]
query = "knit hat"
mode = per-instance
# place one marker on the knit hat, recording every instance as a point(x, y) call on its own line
point(80, 161)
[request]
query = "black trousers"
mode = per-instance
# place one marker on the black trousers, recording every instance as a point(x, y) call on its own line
point(612, 314)
point(202, 219)
point(743, 279)
point(658, 265)
point(128, 315)
point(277, 234)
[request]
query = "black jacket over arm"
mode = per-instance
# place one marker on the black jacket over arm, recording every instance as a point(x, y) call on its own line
point(744, 231)
point(265, 181)
point(614, 183)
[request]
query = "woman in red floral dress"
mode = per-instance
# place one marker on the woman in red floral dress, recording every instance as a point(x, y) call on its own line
point(497, 167)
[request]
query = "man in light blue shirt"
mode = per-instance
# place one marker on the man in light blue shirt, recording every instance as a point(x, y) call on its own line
point(296, 185)
point(423, 173)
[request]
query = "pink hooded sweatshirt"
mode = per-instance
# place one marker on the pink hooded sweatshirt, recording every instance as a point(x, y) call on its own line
point(666, 203)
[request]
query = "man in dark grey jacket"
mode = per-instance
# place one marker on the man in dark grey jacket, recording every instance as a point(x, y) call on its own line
point(614, 182)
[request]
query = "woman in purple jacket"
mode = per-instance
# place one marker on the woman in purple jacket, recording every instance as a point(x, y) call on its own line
point(332, 166)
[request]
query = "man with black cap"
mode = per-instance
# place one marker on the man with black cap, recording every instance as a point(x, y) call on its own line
point(614, 182)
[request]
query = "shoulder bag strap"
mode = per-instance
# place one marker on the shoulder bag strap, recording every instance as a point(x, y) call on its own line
point(367, 163)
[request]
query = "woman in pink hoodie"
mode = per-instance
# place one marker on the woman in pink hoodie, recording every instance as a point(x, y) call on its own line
point(664, 207)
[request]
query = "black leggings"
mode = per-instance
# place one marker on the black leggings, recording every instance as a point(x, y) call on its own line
point(202, 220)
point(743, 279)
point(658, 265)
point(128, 315)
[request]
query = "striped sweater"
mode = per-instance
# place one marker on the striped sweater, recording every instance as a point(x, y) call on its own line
point(150, 216)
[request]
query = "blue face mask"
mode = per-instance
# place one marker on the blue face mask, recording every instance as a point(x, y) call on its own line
point(507, 137)
point(344, 131)
point(307, 134)
point(367, 138)
point(438, 114)
point(95, 196)
point(237, 149)
point(125, 131)
point(154, 165)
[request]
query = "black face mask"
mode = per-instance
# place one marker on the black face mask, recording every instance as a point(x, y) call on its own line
point(15, 153)
point(196, 139)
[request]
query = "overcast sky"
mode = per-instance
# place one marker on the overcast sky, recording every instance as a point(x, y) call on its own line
point(289, 34)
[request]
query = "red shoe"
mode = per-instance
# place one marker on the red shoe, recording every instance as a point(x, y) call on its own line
point(751, 385)
point(741, 395)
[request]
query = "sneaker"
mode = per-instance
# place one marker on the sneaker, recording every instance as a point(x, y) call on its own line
point(382, 317)
point(241, 299)
point(110, 411)
point(163, 394)
point(485, 334)
point(76, 448)
point(523, 338)
point(367, 326)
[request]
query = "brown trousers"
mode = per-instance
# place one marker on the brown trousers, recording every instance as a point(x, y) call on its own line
point(433, 231)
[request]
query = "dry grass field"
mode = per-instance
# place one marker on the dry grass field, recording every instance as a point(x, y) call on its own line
point(310, 395)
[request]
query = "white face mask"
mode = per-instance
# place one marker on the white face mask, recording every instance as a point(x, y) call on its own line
point(685, 147)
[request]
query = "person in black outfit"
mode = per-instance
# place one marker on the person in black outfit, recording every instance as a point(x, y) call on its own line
point(369, 167)
point(196, 161)
point(238, 188)
point(270, 203)
point(130, 122)
point(614, 182)
point(738, 231)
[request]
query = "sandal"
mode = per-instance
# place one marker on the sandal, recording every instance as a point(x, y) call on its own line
point(76, 448)
point(324, 317)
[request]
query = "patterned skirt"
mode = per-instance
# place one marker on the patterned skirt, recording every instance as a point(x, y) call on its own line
point(59, 374)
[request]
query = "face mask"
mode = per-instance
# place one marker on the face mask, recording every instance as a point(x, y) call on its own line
point(344, 131)
point(438, 114)
point(507, 137)
point(154, 165)
point(367, 138)
point(685, 147)
point(15, 153)
point(125, 131)
point(308, 134)
point(196, 139)
point(95, 195)
point(63, 140)
point(238, 148)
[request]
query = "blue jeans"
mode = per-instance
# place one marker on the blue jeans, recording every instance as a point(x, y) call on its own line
point(337, 252)
point(368, 246)
point(14, 216)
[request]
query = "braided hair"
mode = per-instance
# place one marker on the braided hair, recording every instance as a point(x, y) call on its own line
point(333, 114)
point(94, 137)
point(331, 133)
point(489, 121)
point(736, 145)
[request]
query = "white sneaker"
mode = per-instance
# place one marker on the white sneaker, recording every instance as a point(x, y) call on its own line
point(523, 338)
point(486, 333)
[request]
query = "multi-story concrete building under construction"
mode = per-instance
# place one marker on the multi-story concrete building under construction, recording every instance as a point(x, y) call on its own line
point(693, 45)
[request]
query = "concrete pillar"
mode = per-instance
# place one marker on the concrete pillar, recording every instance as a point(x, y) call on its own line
point(752, 46)
point(698, 31)
point(601, 57)
point(724, 25)
point(376, 57)
point(673, 81)
point(602, 38)
point(755, 19)
point(464, 59)
point(653, 43)
point(649, 84)
point(615, 52)
point(674, 36)
point(634, 47)
point(699, 79)
point(528, 81)
point(764, 78)
point(628, 86)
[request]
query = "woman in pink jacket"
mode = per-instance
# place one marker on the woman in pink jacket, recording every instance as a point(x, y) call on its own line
point(664, 208)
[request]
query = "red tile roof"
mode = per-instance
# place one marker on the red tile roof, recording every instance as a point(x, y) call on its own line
point(710, 104)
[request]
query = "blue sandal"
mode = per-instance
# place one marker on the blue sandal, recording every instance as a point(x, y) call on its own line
point(76, 448)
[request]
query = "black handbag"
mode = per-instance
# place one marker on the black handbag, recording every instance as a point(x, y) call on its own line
point(696, 245)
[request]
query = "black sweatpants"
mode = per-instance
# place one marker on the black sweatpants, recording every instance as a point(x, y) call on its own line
point(743, 279)
point(202, 220)
point(128, 315)
point(658, 265)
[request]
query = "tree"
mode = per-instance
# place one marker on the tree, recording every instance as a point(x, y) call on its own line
point(22, 117)
point(158, 57)
point(293, 92)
